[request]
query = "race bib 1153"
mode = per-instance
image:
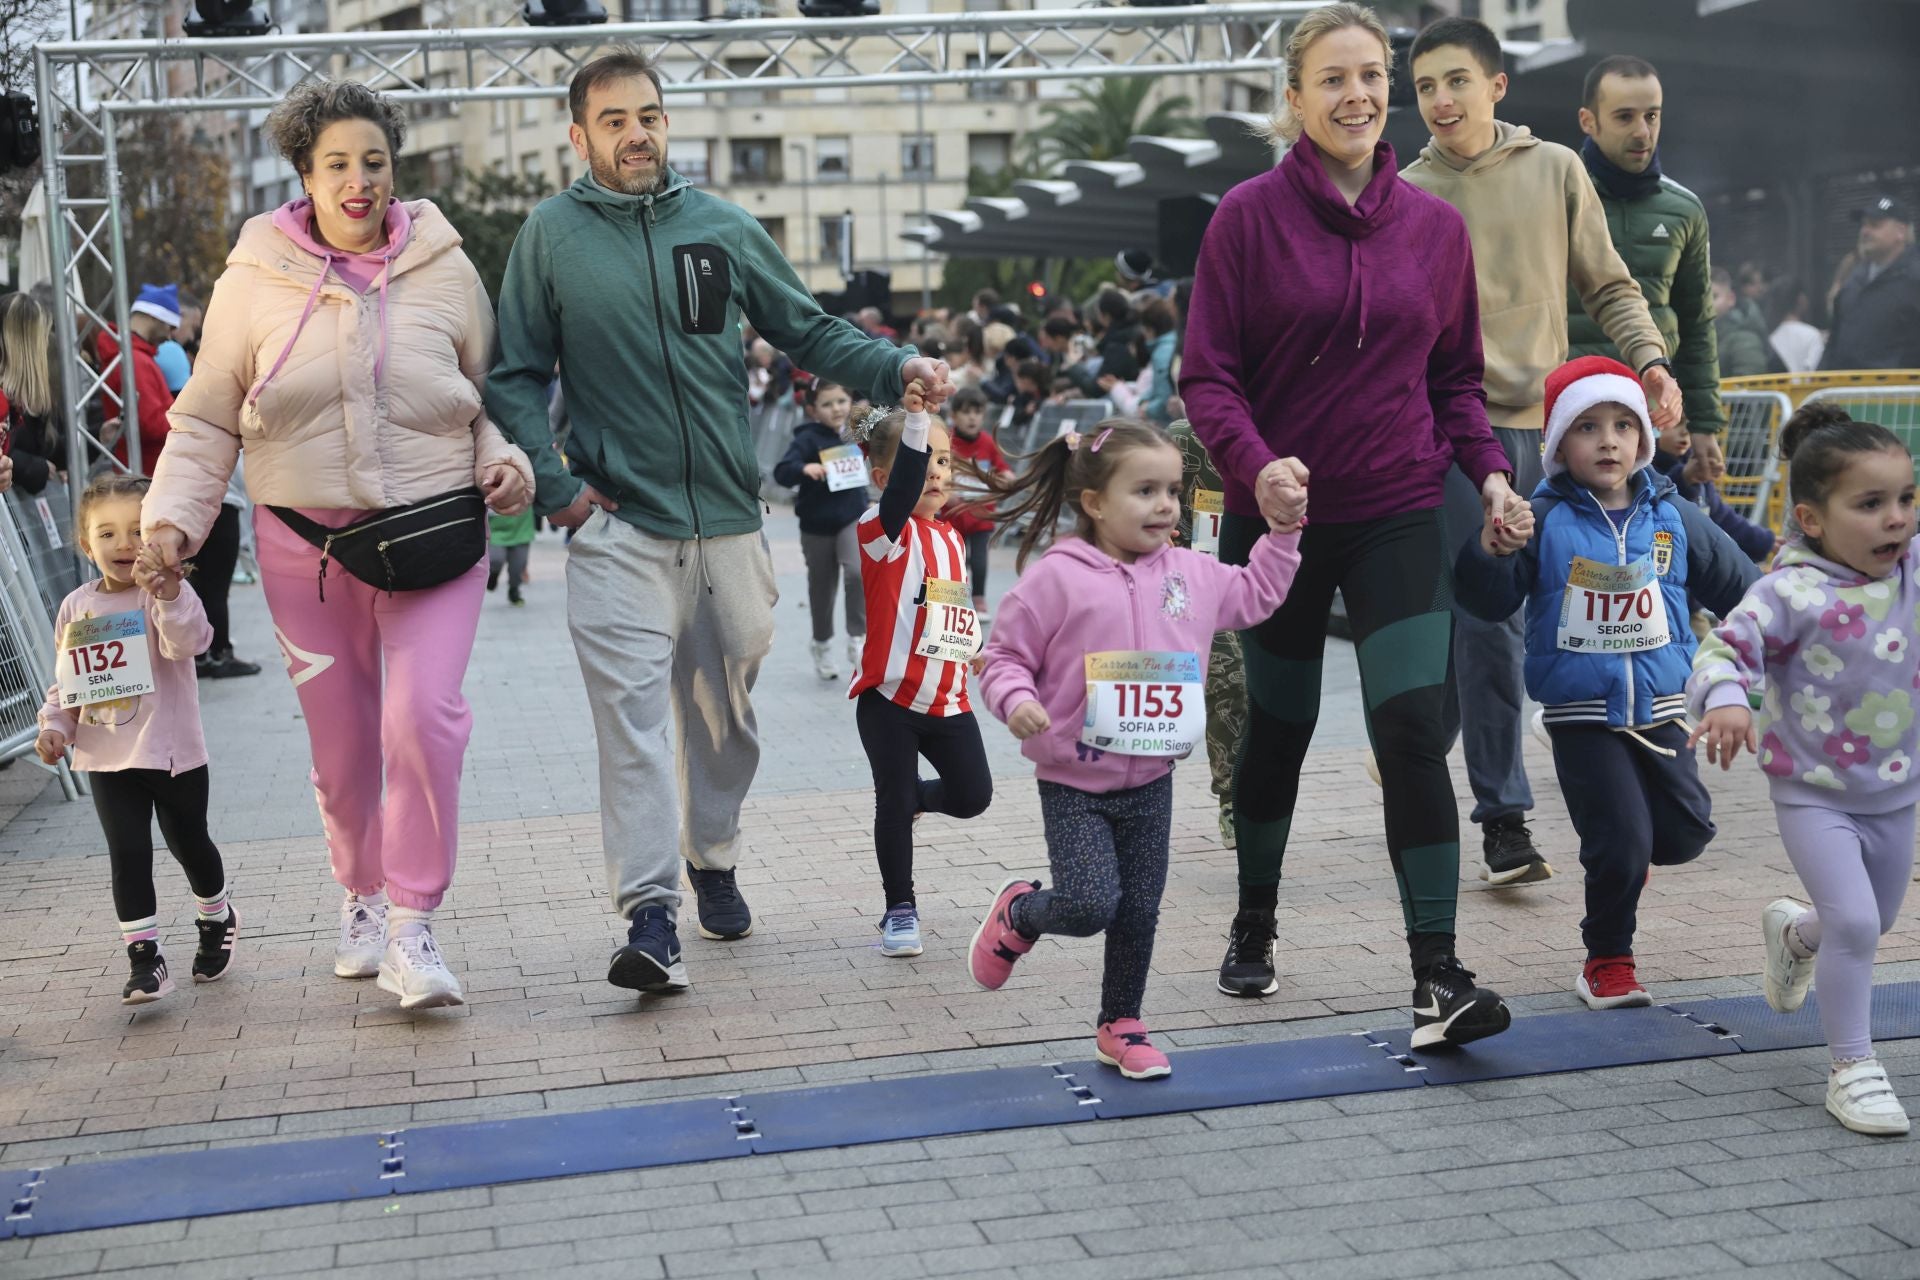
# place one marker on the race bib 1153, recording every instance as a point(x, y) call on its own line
point(1144, 703)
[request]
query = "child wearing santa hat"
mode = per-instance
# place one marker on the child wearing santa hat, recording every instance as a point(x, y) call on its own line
point(1604, 573)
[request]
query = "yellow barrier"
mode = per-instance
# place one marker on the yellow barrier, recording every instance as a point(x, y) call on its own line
point(1798, 386)
point(1890, 397)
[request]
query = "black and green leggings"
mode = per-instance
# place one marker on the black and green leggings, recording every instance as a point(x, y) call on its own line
point(1393, 575)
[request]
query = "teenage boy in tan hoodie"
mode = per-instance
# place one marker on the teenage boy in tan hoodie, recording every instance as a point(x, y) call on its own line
point(1536, 226)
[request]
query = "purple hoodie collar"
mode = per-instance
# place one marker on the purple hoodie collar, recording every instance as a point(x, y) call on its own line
point(1307, 174)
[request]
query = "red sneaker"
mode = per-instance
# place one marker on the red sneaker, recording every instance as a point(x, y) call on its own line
point(1608, 982)
point(996, 943)
point(1123, 1043)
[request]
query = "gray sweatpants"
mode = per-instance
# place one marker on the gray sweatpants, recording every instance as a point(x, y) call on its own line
point(670, 636)
point(834, 558)
point(1489, 687)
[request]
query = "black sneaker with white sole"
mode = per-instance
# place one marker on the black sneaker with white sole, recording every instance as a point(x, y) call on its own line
point(1248, 969)
point(723, 912)
point(1510, 855)
point(148, 980)
point(1449, 1010)
point(215, 956)
point(651, 959)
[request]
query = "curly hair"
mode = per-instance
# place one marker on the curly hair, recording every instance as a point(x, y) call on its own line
point(294, 127)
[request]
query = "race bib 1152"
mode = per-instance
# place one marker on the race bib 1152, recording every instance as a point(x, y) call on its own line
point(952, 632)
point(1144, 703)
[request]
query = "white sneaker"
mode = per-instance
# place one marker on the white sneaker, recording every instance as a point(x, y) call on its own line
point(1788, 975)
point(856, 649)
point(363, 938)
point(1539, 725)
point(414, 970)
point(1860, 1098)
point(823, 661)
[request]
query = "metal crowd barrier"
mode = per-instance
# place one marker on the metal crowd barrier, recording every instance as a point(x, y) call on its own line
point(27, 653)
point(773, 423)
point(1890, 397)
point(1754, 469)
point(45, 525)
point(1052, 420)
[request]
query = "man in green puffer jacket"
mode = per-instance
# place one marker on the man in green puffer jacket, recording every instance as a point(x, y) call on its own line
point(635, 284)
point(1660, 230)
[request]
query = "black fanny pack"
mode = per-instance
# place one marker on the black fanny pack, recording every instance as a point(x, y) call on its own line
point(410, 548)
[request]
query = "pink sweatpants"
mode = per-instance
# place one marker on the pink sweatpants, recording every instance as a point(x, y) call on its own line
point(414, 731)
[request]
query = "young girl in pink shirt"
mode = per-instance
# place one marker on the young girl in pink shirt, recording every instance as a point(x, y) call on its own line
point(126, 702)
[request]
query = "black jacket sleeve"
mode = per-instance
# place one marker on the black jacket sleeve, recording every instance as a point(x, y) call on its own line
point(1493, 587)
point(905, 483)
point(791, 470)
point(1718, 572)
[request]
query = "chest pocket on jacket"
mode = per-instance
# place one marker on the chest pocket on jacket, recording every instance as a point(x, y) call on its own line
point(704, 280)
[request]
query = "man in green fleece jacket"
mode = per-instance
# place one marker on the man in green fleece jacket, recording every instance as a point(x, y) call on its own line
point(636, 283)
point(1660, 229)
point(1536, 227)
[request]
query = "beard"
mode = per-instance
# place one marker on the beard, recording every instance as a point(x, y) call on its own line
point(606, 170)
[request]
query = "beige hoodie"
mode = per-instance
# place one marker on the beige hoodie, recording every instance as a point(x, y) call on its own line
point(321, 430)
point(1536, 225)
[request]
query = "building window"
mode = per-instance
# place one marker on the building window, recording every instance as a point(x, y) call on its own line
point(826, 69)
point(776, 229)
point(832, 159)
point(740, 69)
point(756, 161)
point(563, 158)
point(690, 158)
point(985, 6)
point(916, 155)
point(836, 234)
point(984, 90)
point(530, 111)
point(664, 10)
point(530, 166)
point(989, 152)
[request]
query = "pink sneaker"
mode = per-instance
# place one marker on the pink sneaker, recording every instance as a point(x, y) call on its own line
point(1123, 1043)
point(996, 943)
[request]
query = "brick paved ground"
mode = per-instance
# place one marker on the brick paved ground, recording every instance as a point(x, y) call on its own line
point(1648, 1171)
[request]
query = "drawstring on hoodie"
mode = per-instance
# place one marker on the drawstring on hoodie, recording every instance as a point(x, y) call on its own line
point(1356, 291)
point(1654, 747)
point(313, 297)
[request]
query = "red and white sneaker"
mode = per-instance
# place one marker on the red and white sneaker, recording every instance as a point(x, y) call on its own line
point(996, 943)
point(1608, 982)
point(1123, 1043)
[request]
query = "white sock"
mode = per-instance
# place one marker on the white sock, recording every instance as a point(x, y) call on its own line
point(405, 921)
point(376, 900)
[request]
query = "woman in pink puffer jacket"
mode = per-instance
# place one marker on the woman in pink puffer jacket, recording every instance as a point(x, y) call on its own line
point(343, 350)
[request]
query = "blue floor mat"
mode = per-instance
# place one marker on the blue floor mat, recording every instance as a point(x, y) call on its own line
point(1758, 1029)
point(551, 1146)
point(914, 1107)
point(1244, 1074)
point(1577, 1040)
point(110, 1193)
point(194, 1184)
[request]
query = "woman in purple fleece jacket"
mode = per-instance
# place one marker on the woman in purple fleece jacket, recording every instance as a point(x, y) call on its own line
point(1335, 318)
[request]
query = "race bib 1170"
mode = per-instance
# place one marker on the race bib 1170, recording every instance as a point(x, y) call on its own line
point(1144, 704)
point(1613, 608)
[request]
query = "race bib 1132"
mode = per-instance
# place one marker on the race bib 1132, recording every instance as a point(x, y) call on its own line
point(105, 658)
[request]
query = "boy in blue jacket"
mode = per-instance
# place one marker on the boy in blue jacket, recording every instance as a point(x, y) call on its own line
point(1605, 577)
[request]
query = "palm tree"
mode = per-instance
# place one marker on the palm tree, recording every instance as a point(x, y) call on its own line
point(1098, 124)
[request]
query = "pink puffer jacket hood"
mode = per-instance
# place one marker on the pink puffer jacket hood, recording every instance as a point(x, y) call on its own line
point(340, 399)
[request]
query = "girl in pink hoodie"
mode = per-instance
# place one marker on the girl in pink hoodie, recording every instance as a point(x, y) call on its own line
point(1096, 664)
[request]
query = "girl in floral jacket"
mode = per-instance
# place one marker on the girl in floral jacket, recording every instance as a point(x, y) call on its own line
point(1815, 672)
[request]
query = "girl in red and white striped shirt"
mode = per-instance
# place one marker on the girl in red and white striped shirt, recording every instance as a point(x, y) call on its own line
point(911, 688)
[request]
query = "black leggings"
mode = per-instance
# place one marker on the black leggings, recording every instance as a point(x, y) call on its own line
point(127, 801)
point(213, 575)
point(1393, 575)
point(895, 739)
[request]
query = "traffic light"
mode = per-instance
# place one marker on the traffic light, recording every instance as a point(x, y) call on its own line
point(19, 133)
point(228, 18)
point(563, 13)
